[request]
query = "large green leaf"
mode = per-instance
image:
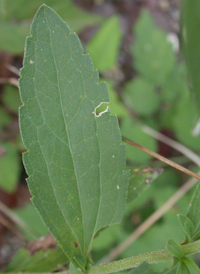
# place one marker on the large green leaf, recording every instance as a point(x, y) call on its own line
point(75, 159)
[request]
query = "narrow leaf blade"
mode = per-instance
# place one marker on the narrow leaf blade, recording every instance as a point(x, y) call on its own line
point(191, 39)
point(175, 249)
point(75, 159)
point(191, 266)
point(194, 212)
point(187, 227)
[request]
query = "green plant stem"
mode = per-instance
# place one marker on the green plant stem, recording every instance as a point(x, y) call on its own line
point(150, 257)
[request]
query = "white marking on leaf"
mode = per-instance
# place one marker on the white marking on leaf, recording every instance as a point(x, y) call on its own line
point(100, 114)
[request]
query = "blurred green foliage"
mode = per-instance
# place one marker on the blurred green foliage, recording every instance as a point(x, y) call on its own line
point(9, 167)
point(30, 216)
point(154, 57)
point(11, 99)
point(103, 50)
point(16, 17)
point(133, 131)
point(191, 42)
point(159, 96)
point(143, 97)
point(42, 261)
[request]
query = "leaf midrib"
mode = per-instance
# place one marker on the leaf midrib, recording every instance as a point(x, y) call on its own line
point(66, 130)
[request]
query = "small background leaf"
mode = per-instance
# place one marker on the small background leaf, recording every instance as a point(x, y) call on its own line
point(31, 217)
point(12, 37)
point(133, 131)
point(152, 46)
point(9, 167)
point(42, 261)
point(187, 226)
point(185, 120)
point(143, 97)
point(103, 49)
point(194, 212)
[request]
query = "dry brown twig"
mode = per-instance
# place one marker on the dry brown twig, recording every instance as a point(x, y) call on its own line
point(12, 81)
point(161, 158)
point(13, 69)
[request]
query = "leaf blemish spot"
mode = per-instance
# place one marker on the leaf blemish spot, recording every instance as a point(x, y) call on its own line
point(76, 244)
point(31, 62)
point(117, 187)
point(95, 112)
